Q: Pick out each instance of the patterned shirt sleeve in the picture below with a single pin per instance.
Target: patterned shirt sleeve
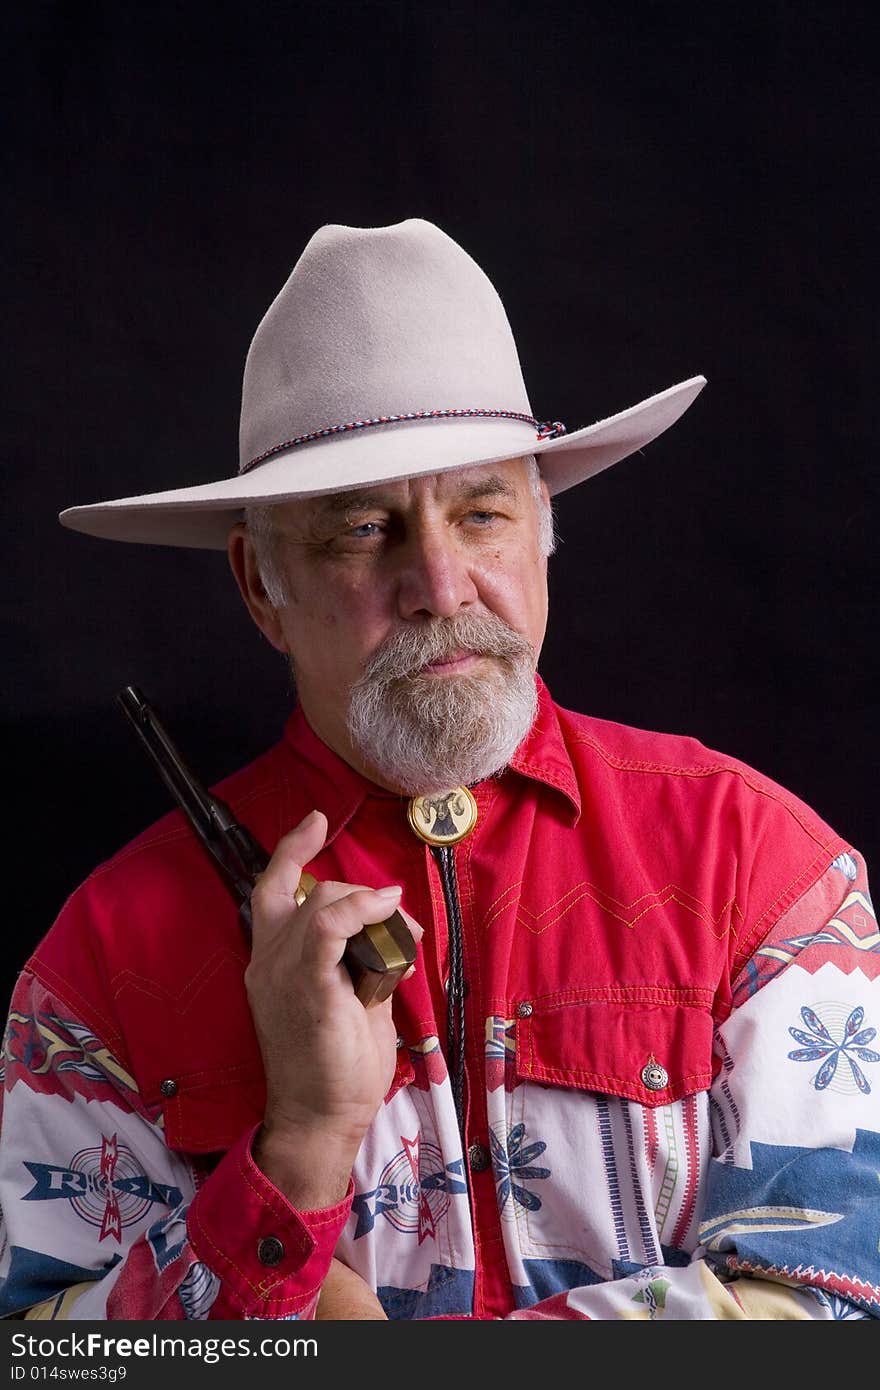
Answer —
(790, 1207)
(102, 1220)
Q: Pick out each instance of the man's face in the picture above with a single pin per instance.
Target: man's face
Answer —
(365, 571)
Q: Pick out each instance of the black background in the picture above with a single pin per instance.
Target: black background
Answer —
(656, 190)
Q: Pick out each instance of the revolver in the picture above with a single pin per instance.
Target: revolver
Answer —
(376, 958)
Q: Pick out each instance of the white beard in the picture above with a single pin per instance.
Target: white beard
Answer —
(423, 733)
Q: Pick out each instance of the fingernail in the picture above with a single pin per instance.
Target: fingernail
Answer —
(307, 820)
(391, 892)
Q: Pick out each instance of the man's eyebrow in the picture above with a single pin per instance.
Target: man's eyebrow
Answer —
(341, 503)
(493, 486)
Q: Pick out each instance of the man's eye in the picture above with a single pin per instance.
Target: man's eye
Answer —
(365, 531)
(483, 518)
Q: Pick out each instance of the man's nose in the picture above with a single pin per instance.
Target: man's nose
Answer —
(435, 579)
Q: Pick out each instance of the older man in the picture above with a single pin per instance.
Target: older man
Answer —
(630, 1074)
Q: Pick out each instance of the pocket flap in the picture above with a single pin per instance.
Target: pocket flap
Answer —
(651, 1052)
(209, 1110)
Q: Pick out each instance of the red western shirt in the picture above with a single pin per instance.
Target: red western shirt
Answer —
(614, 891)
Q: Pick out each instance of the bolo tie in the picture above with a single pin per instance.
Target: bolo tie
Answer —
(441, 820)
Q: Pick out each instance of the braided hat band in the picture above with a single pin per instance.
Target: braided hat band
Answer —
(549, 429)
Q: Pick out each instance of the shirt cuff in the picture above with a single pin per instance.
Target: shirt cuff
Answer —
(271, 1258)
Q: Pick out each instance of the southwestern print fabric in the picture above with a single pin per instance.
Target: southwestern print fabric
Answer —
(757, 1197)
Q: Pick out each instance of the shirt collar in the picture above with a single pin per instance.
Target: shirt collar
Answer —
(543, 756)
(322, 779)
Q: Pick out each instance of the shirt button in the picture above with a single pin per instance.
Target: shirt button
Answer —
(654, 1076)
(524, 1010)
(270, 1251)
(401, 1042)
(168, 1088)
(478, 1157)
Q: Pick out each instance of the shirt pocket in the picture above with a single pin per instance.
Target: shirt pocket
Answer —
(600, 1138)
(653, 1051)
(206, 1111)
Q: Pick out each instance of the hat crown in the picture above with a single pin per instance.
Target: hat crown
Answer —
(372, 322)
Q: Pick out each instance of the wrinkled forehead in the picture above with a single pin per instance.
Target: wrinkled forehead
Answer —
(509, 480)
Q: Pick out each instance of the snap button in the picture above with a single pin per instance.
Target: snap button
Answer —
(478, 1157)
(654, 1076)
(401, 1042)
(270, 1251)
(524, 1010)
(168, 1088)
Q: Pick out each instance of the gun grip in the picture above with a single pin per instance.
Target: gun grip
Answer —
(377, 957)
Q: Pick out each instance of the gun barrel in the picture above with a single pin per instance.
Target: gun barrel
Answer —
(177, 776)
(231, 845)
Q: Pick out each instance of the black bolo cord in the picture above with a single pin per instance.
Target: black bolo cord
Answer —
(456, 986)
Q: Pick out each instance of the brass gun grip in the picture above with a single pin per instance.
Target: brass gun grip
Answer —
(377, 957)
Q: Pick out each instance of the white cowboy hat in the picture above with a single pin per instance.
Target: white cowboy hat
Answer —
(387, 354)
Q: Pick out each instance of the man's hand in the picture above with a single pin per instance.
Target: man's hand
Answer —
(328, 1060)
(345, 1295)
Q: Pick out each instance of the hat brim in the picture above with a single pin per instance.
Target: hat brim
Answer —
(201, 516)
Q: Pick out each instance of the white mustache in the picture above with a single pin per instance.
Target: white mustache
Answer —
(409, 650)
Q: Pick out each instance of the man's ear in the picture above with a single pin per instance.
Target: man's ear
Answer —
(243, 563)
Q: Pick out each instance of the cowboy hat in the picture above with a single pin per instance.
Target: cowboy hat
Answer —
(387, 354)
